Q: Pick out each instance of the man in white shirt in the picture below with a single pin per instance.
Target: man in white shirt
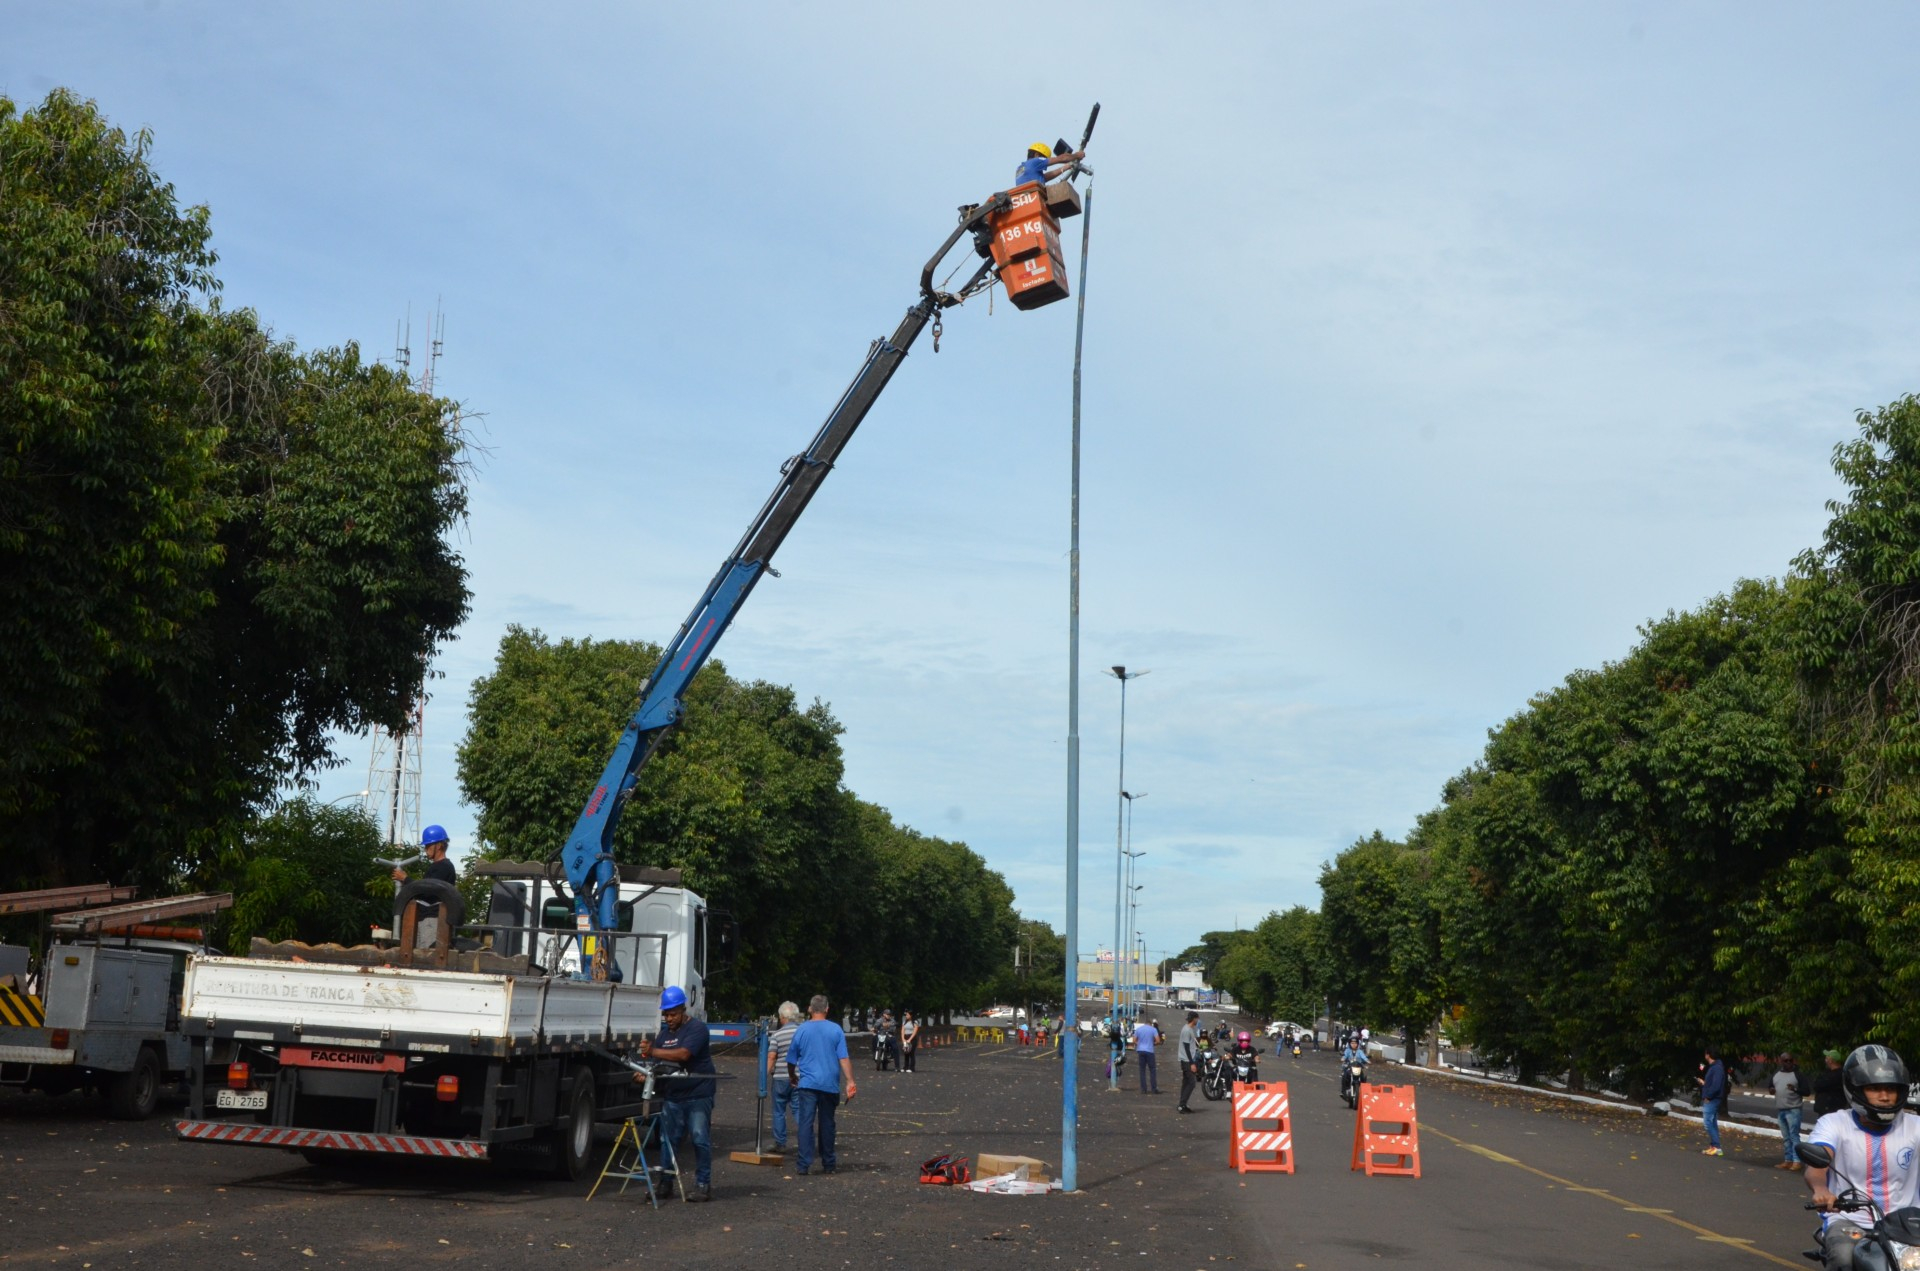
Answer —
(1875, 1149)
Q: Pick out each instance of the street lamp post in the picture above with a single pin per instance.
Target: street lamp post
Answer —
(1131, 796)
(1133, 976)
(1116, 1048)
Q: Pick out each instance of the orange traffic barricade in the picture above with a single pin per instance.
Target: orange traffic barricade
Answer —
(1262, 1128)
(1386, 1132)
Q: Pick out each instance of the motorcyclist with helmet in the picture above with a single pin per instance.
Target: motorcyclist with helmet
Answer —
(1354, 1052)
(1874, 1149)
(1245, 1052)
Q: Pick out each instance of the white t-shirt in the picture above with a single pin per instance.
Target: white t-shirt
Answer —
(1881, 1165)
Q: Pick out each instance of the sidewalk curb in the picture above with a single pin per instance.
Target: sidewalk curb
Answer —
(1617, 1105)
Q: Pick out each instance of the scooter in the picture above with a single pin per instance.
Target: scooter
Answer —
(1892, 1240)
(1353, 1075)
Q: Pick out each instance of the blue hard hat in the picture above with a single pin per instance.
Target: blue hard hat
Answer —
(431, 835)
(671, 996)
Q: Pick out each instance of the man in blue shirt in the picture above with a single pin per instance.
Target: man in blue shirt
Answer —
(817, 1064)
(1146, 1035)
(689, 1104)
(1040, 159)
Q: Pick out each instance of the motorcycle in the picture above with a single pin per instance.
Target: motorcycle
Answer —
(1216, 1076)
(1221, 1070)
(1892, 1240)
(1353, 1075)
(883, 1051)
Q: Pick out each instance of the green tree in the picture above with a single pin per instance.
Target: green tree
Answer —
(1359, 895)
(744, 796)
(1854, 915)
(305, 872)
(215, 550)
(1206, 955)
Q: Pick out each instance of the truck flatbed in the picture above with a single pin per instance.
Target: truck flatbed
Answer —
(460, 1012)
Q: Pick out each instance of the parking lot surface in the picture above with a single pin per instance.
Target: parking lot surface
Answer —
(1509, 1180)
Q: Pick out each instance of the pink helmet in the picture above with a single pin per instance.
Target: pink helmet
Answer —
(1246, 1037)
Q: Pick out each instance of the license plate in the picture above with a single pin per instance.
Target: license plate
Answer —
(246, 1100)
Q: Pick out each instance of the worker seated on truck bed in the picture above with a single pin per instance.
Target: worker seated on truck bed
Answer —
(1040, 161)
(433, 841)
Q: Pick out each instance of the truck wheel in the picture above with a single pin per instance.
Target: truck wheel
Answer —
(131, 1096)
(573, 1137)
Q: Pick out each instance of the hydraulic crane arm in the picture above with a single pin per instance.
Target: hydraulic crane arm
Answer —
(588, 854)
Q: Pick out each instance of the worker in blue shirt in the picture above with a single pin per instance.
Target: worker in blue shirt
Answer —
(688, 1105)
(1040, 160)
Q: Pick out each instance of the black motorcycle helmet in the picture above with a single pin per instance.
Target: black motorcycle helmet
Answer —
(1873, 1066)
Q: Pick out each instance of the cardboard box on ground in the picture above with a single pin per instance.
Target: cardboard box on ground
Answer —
(988, 1165)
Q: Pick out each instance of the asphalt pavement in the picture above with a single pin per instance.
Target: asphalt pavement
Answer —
(1509, 1180)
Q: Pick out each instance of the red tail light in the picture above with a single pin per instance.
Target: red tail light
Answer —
(238, 1075)
(60, 1038)
(447, 1089)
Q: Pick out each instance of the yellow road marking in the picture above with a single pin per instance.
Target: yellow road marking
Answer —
(1735, 1242)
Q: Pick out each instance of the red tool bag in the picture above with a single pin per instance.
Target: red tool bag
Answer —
(946, 1170)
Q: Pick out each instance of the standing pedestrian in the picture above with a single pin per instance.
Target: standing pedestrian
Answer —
(1189, 1057)
(777, 1082)
(1786, 1106)
(909, 1040)
(1829, 1090)
(1713, 1093)
(688, 1105)
(817, 1064)
(1146, 1035)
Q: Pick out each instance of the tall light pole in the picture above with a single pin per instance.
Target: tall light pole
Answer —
(1133, 911)
(1070, 1044)
(1117, 1047)
(1130, 796)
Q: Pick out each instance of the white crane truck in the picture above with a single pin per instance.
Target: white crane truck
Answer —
(483, 1053)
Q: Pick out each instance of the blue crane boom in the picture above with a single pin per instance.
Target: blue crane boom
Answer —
(591, 871)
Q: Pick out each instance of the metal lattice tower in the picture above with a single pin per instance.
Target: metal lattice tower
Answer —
(393, 773)
(393, 778)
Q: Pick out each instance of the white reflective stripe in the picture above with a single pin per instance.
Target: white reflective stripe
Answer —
(34, 1055)
(1260, 1105)
(335, 1140)
(1266, 1141)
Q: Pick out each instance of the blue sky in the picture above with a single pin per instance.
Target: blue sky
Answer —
(1430, 350)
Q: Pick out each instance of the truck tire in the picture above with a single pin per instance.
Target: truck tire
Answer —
(573, 1134)
(131, 1096)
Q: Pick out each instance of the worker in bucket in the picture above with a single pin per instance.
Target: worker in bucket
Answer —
(433, 843)
(1040, 162)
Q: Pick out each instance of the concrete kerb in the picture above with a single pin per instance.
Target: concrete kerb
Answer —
(1617, 1105)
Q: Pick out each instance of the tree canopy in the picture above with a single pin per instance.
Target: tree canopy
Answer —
(1714, 841)
(215, 549)
(745, 797)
